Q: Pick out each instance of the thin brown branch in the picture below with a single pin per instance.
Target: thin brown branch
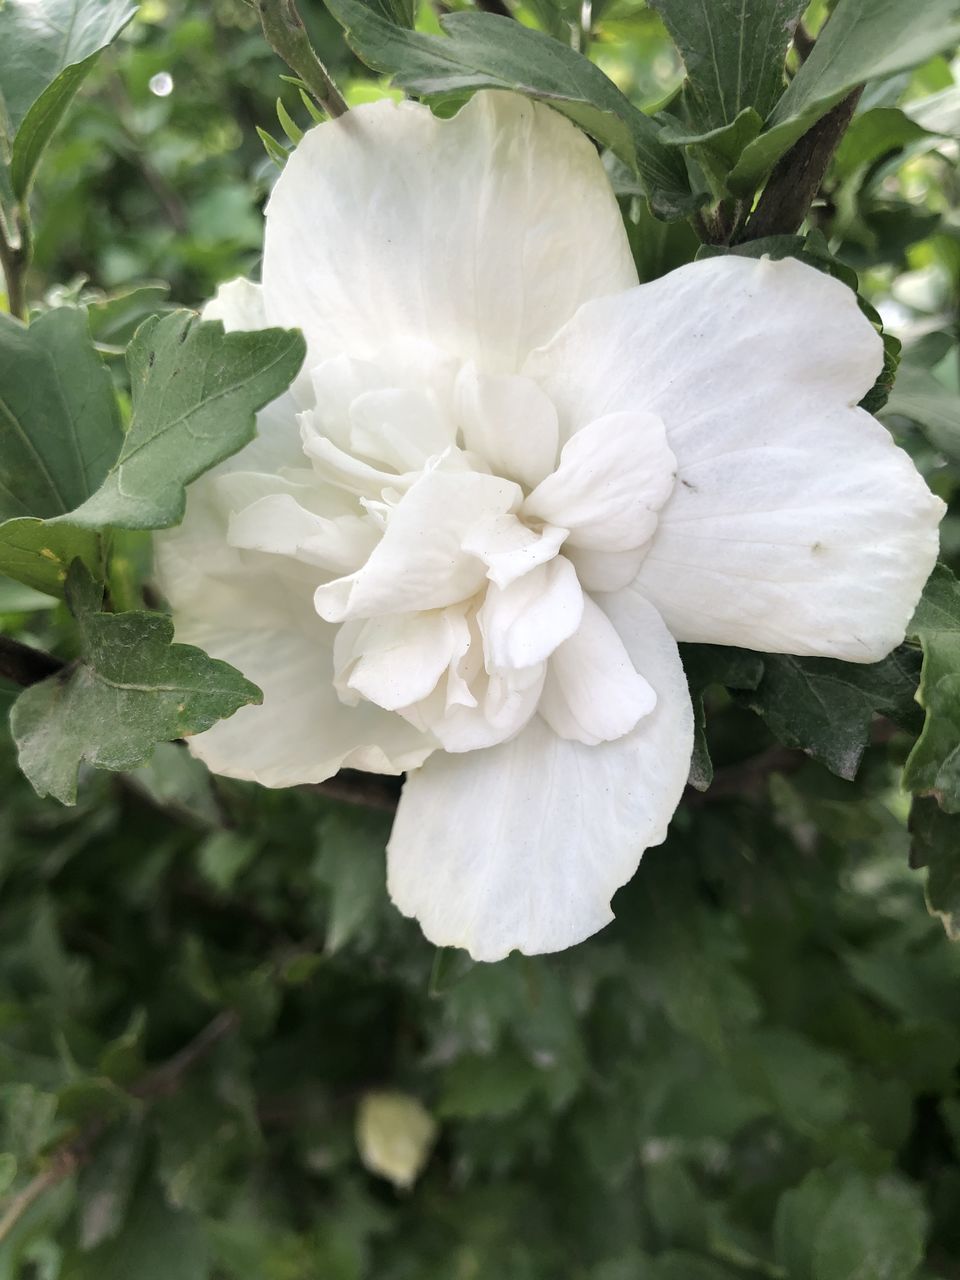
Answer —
(167, 1078)
(796, 178)
(369, 790)
(76, 1151)
(24, 665)
(287, 36)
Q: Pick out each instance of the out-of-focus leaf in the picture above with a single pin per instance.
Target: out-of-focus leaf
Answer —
(921, 398)
(864, 39)
(933, 767)
(350, 863)
(130, 689)
(107, 1184)
(496, 1085)
(826, 708)
(936, 846)
(876, 1232)
(486, 51)
(155, 1243)
(61, 434)
(46, 51)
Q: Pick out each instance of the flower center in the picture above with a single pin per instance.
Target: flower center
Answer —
(455, 525)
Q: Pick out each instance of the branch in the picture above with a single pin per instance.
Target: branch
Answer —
(796, 178)
(23, 665)
(371, 790)
(74, 1153)
(15, 251)
(287, 36)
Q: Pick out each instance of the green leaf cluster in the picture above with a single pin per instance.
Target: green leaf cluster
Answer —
(71, 479)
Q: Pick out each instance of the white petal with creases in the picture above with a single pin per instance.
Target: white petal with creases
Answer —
(593, 693)
(480, 234)
(522, 846)
(523, 623)
(614, 476)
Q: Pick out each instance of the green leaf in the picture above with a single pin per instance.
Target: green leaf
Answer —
(46, 50)
(708, 665)
(734, 52)
(939, 607)
(223, 856)
(921, 398)
(676, 1205)
(196, 391)
(936, 845)
(475, 1087)
(130, 689)
(152, 1236)
(870, 1232)
(60, 433)
(107, 1184)
(350, 863)
(933, 766)
(61, 428)
(486, 51)
(825, 707)
(864, 39)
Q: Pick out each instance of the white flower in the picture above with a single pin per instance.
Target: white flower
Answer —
(507, 482)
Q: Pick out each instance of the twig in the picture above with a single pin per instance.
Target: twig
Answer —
(70, 1155)
(371, 790)
(166, 1079)
(16, 246)
(796, 178)
(287, 36)
(24, 665)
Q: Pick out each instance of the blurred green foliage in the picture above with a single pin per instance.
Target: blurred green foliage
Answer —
(752, 1074)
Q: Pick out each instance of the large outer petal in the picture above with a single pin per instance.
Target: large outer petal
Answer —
(522, 846)
(256, 611)
(796, 525)
(482, 233)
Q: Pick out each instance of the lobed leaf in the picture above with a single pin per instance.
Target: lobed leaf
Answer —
(130, 689)
(196, 392)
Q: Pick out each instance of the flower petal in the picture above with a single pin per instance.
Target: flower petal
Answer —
(508, 422)
(399, 659)
(523, 623)
(510, 548)
(797, 525)
(614, 476)
(391, 222)
(593, 693)
(419, 563)
(522, 846)
(280, 525)
(256, 611)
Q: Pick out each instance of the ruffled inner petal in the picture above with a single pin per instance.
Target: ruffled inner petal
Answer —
(510, 548)
(419, 563)
(523, 623)
(614, 476)
(592, 692)
(508, 422)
